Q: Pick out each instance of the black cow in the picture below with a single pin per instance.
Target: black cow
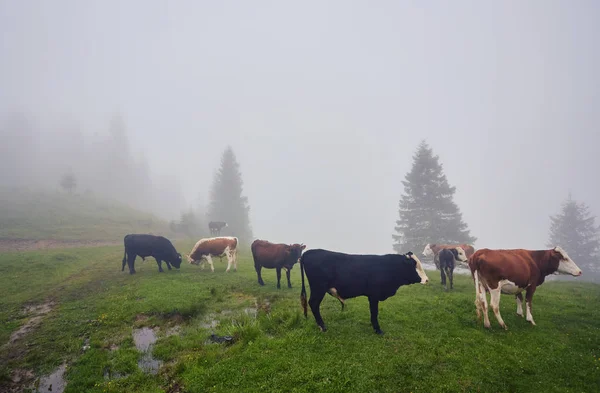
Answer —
(216, 226)
(448, 257)
(143, 245)
(345, 276)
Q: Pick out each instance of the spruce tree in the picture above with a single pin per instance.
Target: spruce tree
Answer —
(226, 200)
(427, 212)
(574, 229)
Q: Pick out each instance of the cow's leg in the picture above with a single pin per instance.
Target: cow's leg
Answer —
(287, 274)
(229, 262)
(234, 259)
(374, 306)
(436, 261)
(316, 297)
(480, 287)
(159, 263)
(443, 276)
(258, 268)
(168, 265)
(131, 263)
(495, 302)
(451, 277)
(210, 262)
(528, 298)
(278, 269)
(519, 298)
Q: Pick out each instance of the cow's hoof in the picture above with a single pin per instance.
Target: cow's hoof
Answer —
(289, 286)
(379, 331)
(487, 325)
(323, 329)
(262, 284)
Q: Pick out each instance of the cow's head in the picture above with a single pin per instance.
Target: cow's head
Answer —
(420, 275)
(176, 260)
(190, 260)
(295, 252)
(460, 254)
(565, 263)
(428, 251)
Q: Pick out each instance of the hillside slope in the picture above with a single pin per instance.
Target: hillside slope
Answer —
(47, 215)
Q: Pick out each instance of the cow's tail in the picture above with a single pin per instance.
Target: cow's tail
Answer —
(303, 291)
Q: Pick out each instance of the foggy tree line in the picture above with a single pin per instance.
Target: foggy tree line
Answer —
(428, 214)
(227, 203)
(104, 164)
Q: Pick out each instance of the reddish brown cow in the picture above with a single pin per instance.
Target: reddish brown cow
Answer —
(275, 256)
(511, 272)
(433, 250)
(214, 247)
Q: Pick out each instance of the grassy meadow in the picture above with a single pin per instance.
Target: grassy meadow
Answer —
(432, 341)
(35, 214)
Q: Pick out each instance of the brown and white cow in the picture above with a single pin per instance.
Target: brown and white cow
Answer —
(514, 271)
(275, 256)
(214, 247)
(433, 250)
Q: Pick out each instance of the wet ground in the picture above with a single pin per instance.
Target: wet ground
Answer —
(144, 340)
(55, 382)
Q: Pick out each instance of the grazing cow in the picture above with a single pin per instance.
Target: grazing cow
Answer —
(275, 256)
(345, 276)
(149, 246)
(214, 247)
(433, 250)
(511, 272)
(448, 258)
(216, 226)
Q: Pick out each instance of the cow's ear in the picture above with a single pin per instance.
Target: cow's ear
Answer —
(303, 246)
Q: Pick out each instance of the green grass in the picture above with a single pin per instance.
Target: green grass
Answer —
(433, 342)
(26, 214)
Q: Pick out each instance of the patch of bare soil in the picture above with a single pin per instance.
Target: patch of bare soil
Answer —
(37, 313)
(11, 245)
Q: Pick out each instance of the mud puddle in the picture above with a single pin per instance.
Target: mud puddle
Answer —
(144, 340)
(55, 382)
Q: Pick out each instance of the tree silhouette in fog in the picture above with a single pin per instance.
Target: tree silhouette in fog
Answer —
(226, 200)
(427, 212)
(575, 230)
(68, 182)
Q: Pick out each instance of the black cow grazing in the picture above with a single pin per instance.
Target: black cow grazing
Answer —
(345, 276)
(448, 257)
(149, 246)
(275, 256)
(216, 226)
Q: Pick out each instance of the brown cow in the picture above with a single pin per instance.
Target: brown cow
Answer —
(511, 272)
(433, 250)
(275, 256)
(214, 247)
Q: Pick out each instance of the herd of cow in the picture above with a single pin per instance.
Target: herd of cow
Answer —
(377, 277)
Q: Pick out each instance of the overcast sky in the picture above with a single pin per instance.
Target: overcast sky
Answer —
(325, 102)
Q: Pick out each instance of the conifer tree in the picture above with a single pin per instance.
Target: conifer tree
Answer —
(226, 200)
(574, 230)
(427, 212)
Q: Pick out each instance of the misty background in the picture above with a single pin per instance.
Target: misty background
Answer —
(324, 105)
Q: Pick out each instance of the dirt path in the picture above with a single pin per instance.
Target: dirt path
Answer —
(9, 245)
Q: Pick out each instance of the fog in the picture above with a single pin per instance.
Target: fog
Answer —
(324, 104)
